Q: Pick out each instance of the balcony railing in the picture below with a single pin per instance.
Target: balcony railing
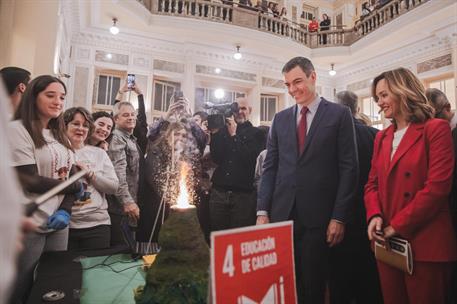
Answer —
(385, 14)
(251, 18)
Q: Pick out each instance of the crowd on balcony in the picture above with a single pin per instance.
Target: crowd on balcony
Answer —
(264, 7)
(369, 8)
(274, 18)
(375, 13)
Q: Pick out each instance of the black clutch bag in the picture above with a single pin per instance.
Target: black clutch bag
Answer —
(395, 252)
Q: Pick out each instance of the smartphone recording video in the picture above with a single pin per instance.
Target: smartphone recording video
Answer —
(178, 94)
(130, 81)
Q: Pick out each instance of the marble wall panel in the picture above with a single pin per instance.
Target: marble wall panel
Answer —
(273, 83)
(169, 66)
(359, 85)
(202, 69)
(108, 57)
(434, 63)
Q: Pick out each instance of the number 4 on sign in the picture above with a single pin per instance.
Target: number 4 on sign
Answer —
(228, 267)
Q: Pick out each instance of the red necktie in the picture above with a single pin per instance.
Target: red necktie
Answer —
(301, 130)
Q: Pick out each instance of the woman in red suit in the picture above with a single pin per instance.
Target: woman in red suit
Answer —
(408, 189)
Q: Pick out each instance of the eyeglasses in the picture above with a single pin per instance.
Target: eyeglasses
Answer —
(79, 126)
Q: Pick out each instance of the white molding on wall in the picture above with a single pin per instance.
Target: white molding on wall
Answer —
(143, 48)
(438, 44)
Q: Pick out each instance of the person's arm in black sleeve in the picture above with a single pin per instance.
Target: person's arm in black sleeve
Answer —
(141, 128)
(218, 145)
(34, 183)
(200, 136)
(69, 199)
(67, 202)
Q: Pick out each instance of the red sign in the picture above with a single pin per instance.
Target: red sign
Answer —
(253, 265)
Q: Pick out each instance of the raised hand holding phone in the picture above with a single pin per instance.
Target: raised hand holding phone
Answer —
(179, 105)
(130, 81)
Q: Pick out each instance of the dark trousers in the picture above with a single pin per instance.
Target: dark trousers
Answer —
(312, 256)
(116, 232)
(231, 209)
(97, 237)
(227, 14)
(34, 246)
(324, 39)
(453, 290)
(203, 213)
(353, 273)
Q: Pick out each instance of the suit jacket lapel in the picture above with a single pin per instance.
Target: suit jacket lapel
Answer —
(412, 135)
(318, 117)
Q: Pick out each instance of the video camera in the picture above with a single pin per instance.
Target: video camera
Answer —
(219, 112)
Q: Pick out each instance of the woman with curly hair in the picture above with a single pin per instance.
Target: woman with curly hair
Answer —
(170, 154)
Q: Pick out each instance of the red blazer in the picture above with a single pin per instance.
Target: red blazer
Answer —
(411, 191)
(313, 26)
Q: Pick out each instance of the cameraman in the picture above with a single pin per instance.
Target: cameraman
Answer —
(234, 148)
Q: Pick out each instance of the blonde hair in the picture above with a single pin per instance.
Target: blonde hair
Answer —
(166, 131)
(409, 92)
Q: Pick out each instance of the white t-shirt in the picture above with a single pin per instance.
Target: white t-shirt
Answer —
(10, 215)
(53, 160)
(94, 211)
(398, 136)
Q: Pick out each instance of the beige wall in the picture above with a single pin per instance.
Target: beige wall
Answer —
(28, 34)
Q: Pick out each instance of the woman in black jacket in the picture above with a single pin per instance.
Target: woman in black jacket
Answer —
(325, 26)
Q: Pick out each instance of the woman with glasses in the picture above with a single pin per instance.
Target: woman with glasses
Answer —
(90, 222)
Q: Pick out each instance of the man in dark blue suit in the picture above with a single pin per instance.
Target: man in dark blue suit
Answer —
(309, 176)
(354, 273)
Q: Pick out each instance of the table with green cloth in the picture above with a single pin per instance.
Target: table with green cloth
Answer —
(111, 279)
(89, 277)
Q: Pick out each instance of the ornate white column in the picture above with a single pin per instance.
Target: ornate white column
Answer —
(188, 83)
(254, 100)
(454, 64)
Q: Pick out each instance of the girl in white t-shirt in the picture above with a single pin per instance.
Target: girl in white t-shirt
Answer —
(43, 157)
(90, 221)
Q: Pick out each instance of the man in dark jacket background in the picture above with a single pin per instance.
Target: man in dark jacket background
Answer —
(234, 149)
(356, 277)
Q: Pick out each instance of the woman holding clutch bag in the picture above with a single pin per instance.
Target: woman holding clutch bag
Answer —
(408, 188)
